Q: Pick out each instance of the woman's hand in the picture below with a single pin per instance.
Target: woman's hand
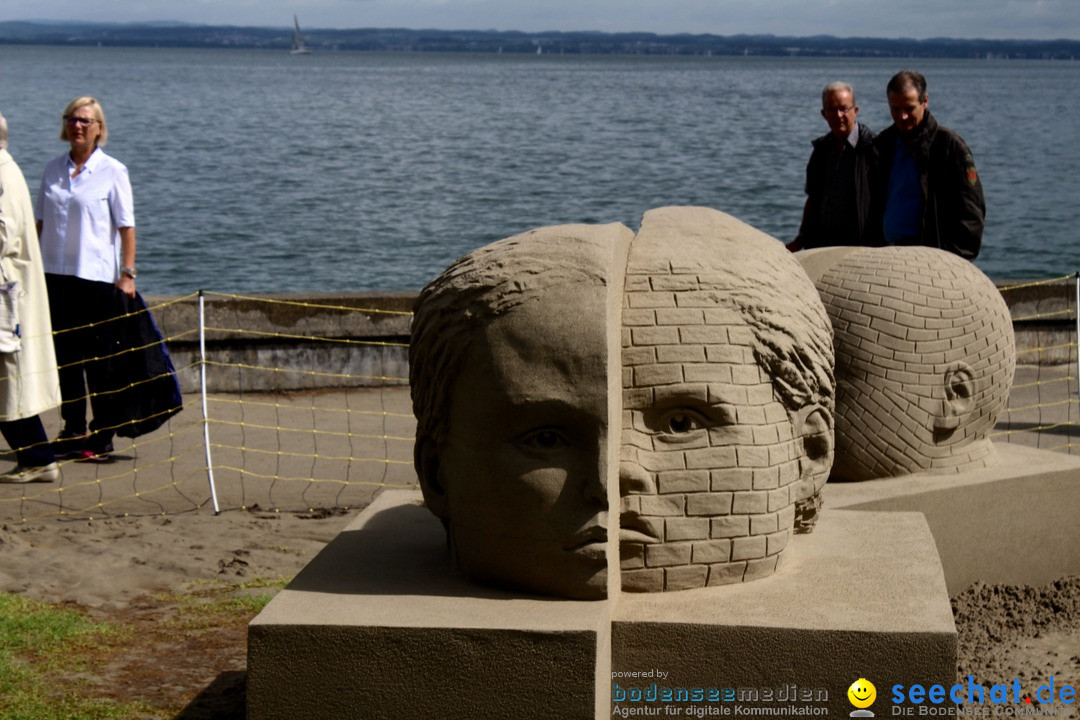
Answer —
(126, 285)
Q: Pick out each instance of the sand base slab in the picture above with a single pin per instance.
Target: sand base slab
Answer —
(1015, 523)
(380, 626)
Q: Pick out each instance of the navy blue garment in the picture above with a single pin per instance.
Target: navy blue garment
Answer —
(904, 201)
(141, 390)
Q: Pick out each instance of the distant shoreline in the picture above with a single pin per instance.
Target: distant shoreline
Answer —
(178, 35)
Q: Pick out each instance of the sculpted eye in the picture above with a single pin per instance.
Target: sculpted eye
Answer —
(543, 440)
(680, 422)
(686, 421)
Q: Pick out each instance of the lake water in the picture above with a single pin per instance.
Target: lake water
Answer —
(258, 171)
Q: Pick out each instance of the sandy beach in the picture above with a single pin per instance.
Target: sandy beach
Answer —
(133, 541)
(130, 558)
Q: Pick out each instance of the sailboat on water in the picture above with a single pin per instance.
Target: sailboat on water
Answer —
(298, 45)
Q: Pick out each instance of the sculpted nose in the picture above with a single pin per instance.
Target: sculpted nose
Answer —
(595, 489)
(634, 479)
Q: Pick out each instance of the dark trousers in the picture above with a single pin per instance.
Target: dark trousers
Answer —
(28, 439)
(80, 311)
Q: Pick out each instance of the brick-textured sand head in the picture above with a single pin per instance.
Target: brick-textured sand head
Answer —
(906, 319)
(716, 318)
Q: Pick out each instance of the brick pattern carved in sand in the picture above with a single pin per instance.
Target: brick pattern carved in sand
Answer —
(714, 491)
(924, 361)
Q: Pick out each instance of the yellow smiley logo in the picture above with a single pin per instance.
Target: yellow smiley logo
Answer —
(862, 693)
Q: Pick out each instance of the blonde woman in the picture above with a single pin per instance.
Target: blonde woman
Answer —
(86, 222)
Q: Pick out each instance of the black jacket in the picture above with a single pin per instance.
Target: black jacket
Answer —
(811, 232)
(954, 210)
(141, 390)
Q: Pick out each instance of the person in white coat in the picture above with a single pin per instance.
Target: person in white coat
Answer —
(29, 383)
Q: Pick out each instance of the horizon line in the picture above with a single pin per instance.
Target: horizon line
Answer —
(310, 29)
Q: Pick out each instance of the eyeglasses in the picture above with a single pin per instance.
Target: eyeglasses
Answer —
(80, 121)
(838, 110)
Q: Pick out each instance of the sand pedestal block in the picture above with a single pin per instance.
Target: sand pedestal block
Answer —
(379, 626)
(1014, 523)
(863, 596)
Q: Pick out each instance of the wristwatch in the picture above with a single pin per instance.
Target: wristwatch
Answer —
(129, 271)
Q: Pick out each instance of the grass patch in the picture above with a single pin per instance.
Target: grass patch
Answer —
(208, 603)
(41, 646)
(58, 664)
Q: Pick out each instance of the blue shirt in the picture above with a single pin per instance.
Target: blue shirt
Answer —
(904, 204)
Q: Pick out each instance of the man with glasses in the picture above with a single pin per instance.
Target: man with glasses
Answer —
(838, 177)
(930, 189)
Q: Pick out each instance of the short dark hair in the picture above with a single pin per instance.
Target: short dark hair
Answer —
(907, 80)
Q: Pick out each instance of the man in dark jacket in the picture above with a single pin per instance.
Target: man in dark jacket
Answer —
(838, 178)
(930, 191)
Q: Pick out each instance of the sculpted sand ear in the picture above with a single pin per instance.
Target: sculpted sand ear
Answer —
(961, 389)
(925, 360)
(426, 462)
(814, 428)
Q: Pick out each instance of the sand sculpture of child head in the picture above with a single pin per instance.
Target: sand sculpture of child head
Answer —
(924, 360)
(728, 396)
(508, 369)
(727, 404)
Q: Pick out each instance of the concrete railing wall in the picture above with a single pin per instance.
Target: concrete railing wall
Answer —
(299, 341)
(313, 343)
(1044, 321)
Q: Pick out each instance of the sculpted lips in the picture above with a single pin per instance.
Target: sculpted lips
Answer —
(591, 540)
(633, 528)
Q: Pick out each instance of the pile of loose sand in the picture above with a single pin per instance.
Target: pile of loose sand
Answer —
(1017, 631)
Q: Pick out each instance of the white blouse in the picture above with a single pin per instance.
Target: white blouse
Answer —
(80, 216)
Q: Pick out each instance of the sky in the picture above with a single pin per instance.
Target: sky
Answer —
(1020, 19)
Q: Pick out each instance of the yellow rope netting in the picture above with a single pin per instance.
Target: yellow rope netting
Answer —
(315, 433)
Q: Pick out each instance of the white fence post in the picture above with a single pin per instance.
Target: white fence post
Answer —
(1076, 344)
(205, 410)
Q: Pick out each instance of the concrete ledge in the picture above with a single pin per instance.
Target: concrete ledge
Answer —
(1044, 321)
(304, 331)
(350, 339)
(1014, 523)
